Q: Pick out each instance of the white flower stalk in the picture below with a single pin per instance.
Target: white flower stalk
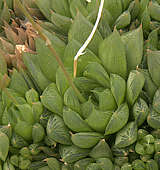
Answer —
(81, 50)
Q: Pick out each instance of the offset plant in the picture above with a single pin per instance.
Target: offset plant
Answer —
(44, 124)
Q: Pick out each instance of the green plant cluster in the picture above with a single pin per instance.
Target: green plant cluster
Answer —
(44, 125)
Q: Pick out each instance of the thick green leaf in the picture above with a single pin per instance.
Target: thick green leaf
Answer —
(7, 129)
(149, 85)
(105, 163)
(86, 139)
(62, 22)
(140, 148)
(18, 83)
(12, 115)
(138, 164)
(4, 146)
(92, 5)
(3, 65)
(127, 135)
(119, 152)
(67, 167)
(106, 99)
(25, 152)
(37, 110)
(106, 20)
(120, 161)
(61, 81)
(8, 166)
(96, 72)
(61, 7)
(145, 19)
(93, 166)
(143, 6)
(112, 54)
(101, 150)
(6, 117)
(98, 120)
(31, 63)
(25, 111)
(80, 31)
(78, 6)
(7, 100)
(38, 133)
(154, 9)
(140, 111)
(57, 130)
(45, 58)
(87, 108)
(85, 84)
(135, 84)
(118, 119)
(153, 40)
(44, 8)
(1, 111)
(71, 100)
(14, 160)
(153, 119)
(123, 20)
(74, 121)
(125, 3)
(134, 9)
(34, 148)
(27, 78)
(53, 163)
(114, 7)
(5, 13)
(24, 129)
(52, 100)
(126, 166)
(156, 101)
(24, 163)
(83, 163)
(151, 164)
(31, 96)
(116, 167)
(153, 61)
(17, 141)
(72, 153)
(134, 39)
(118, 88)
